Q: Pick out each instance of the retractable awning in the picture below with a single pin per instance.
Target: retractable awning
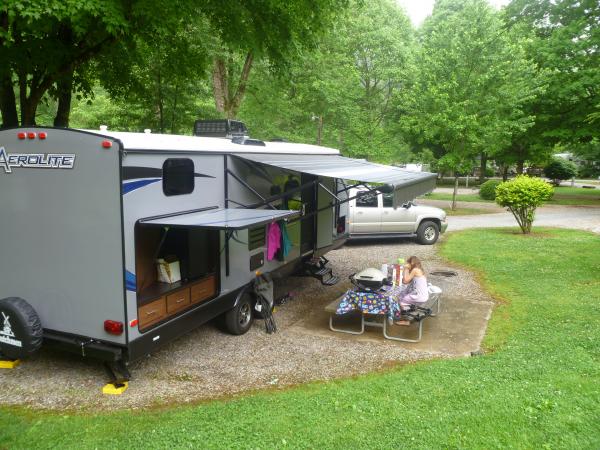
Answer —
(406, 184)
(222, 219)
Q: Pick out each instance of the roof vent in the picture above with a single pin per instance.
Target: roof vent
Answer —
(225, 128)
(241, 140)
(103, 127)
(147, 130)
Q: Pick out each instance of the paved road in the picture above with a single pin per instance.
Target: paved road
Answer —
(579, 217)
(562, 216)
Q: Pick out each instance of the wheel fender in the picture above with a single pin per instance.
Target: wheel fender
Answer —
(249, 288)
(422, 219)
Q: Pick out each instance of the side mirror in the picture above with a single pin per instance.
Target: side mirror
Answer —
(407, 205)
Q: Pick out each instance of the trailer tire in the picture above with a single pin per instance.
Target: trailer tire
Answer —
(21, 332)
(428, 233)
(238, 320)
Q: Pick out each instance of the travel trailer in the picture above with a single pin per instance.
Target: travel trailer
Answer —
(86, 215)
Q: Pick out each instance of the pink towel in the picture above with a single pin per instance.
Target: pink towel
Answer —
(273, 240)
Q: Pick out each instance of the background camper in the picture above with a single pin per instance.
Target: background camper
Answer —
(85, 215)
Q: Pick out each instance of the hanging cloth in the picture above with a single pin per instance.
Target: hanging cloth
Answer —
(273, 240)
(286, 243)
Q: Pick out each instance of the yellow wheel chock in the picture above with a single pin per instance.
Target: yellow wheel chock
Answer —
(9, 363)
(115, 388)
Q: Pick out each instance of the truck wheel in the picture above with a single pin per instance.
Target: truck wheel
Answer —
(21, 332)
(238, 320)
(428, 233)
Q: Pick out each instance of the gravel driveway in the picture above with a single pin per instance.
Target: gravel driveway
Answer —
(208, 363)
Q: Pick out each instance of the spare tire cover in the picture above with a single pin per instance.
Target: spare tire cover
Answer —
(21, 331)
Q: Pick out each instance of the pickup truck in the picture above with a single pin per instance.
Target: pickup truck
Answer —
(372, 215)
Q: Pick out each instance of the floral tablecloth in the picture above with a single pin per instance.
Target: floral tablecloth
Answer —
(380, 302)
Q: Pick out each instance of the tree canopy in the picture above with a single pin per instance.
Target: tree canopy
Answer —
(471, 84)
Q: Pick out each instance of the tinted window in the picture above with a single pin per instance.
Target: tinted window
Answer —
(367, 201)
(178, 176)
(388, 200)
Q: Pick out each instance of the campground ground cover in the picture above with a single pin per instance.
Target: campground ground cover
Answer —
(538, 385)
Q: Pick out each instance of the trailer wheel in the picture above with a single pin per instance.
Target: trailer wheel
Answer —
(21, 332)
(238, 320)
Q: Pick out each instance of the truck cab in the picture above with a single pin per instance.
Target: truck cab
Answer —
(371, 214)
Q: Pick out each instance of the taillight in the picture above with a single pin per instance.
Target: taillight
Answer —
(31, 135)
(113, 327)
(106, 144)
(21, 135)
(133, 323)
(42, 135)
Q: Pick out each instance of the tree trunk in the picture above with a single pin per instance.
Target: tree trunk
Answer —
(483, 167)
(319, 130)
(236, 101)
(227, 101)
(161, 112)
(8, 102)
(63, 112)
(174, 112)
(520, 164)
(220, 86)
(505, 172)
(455, 191)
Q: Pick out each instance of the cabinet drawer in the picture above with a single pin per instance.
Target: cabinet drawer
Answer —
(152, 312)
(178, 300)
(203, 290)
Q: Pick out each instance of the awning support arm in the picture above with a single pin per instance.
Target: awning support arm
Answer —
(331, 205)
(250, 188)
(329, 192)
(274, 198)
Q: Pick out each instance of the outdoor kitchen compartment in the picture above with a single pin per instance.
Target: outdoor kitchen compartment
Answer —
(197, 252)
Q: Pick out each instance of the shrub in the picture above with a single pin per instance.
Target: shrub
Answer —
(487, 191)
(522, 196)
(560, 169)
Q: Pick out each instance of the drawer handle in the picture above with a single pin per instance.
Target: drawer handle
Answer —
(154, 311)
(181, 300)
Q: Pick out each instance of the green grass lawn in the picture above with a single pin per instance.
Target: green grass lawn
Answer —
(538, 386)
(562, 196)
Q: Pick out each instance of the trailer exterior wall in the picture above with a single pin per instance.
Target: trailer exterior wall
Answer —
(61, 234)
(143, 197)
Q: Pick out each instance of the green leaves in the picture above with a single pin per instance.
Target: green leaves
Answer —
(522, 196)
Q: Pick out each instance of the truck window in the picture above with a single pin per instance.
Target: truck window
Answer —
(178, 176)
(388, 200)
(367, 201)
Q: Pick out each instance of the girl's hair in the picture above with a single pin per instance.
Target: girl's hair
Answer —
(414, 262)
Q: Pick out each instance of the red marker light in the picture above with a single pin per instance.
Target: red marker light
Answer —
(42, 135)
(31, 135)
(21, 135)
(106, 144)
(133, 323)
(113, 327)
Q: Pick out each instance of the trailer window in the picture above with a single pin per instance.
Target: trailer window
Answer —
(178, 176)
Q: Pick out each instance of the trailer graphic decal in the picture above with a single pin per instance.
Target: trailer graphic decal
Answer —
(133, 185)
(130, 281)
(8, 161)
(6, 333)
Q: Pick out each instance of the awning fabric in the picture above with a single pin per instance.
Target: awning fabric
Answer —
(223, 219)
(406, 184)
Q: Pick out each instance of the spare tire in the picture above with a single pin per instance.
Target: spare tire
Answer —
(21, 331)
